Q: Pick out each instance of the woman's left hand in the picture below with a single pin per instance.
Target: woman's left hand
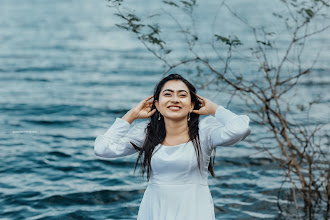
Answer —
(207, 108)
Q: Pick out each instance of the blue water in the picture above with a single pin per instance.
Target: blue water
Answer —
(66, 73)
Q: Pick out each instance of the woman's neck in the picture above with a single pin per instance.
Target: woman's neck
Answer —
(176, 128)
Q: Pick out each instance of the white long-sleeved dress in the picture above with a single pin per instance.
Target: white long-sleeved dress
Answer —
(177, 190)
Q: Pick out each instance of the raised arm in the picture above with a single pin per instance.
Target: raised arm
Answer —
(116, 142)
(224, 128)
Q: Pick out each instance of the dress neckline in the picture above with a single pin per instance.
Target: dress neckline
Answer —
(175, 145)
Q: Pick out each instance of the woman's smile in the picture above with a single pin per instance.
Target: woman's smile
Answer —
(174, 108)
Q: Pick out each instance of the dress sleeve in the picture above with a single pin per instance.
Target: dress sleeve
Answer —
(116, 141)
(225, 128)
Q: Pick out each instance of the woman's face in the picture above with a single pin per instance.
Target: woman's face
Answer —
(174, 100)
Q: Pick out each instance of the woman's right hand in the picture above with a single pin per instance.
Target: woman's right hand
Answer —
(141, 110)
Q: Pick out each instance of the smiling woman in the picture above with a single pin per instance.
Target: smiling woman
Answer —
(175, 148)
(174, 105)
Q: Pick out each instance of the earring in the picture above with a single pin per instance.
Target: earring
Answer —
(159, 116)
(189, 116)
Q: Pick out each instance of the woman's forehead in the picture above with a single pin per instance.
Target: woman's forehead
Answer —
(175, 85)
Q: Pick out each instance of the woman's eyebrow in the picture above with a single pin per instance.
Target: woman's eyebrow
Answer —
(170, 90)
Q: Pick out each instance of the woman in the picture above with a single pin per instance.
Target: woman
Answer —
(174, 148)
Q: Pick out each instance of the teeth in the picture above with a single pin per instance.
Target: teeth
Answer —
(174, 107)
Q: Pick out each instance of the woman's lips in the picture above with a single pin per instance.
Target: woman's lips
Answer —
(174, 108)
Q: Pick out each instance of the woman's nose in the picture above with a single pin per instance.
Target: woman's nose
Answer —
(174, 98)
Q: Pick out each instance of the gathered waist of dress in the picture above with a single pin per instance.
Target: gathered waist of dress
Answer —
(176, 183)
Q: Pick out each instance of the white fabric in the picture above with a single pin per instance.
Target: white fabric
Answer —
(177, 189)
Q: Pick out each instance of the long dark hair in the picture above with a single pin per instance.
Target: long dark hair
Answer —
(155, 130)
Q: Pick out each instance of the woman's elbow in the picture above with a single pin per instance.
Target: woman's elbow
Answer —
(246, 132)
(99, 146)
(240, 126)
(97, 151)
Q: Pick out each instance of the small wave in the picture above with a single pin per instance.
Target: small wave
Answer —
(117, 163)
(89, 198)
(20, 197)
(30, 79)
(64, 110)
(59, 154)
(50, 122)
(321, 82)
(114, 84)
(259, 215)
(42, 69)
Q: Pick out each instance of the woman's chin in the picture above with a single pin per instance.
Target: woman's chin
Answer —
(175, 117)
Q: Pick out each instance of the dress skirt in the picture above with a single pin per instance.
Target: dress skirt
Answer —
(176, 202)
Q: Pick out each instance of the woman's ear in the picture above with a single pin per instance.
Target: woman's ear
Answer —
(156, 104)
(192, 106)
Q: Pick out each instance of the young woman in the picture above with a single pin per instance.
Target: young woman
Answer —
(175, 148)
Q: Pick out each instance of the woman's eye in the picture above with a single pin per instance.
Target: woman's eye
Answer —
(183, 95)
(167, 94)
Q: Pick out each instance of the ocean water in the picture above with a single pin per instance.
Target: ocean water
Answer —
(66, 73)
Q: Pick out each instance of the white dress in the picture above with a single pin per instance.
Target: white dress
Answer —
(177, 190)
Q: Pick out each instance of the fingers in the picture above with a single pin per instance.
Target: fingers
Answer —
(200, 112)
(150, 102)
(146, 102)
(149, 97)
(196, 112)
(201, 97)
(151, 113)
(148, 106)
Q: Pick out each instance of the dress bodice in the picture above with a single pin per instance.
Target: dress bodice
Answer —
(177, 165)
